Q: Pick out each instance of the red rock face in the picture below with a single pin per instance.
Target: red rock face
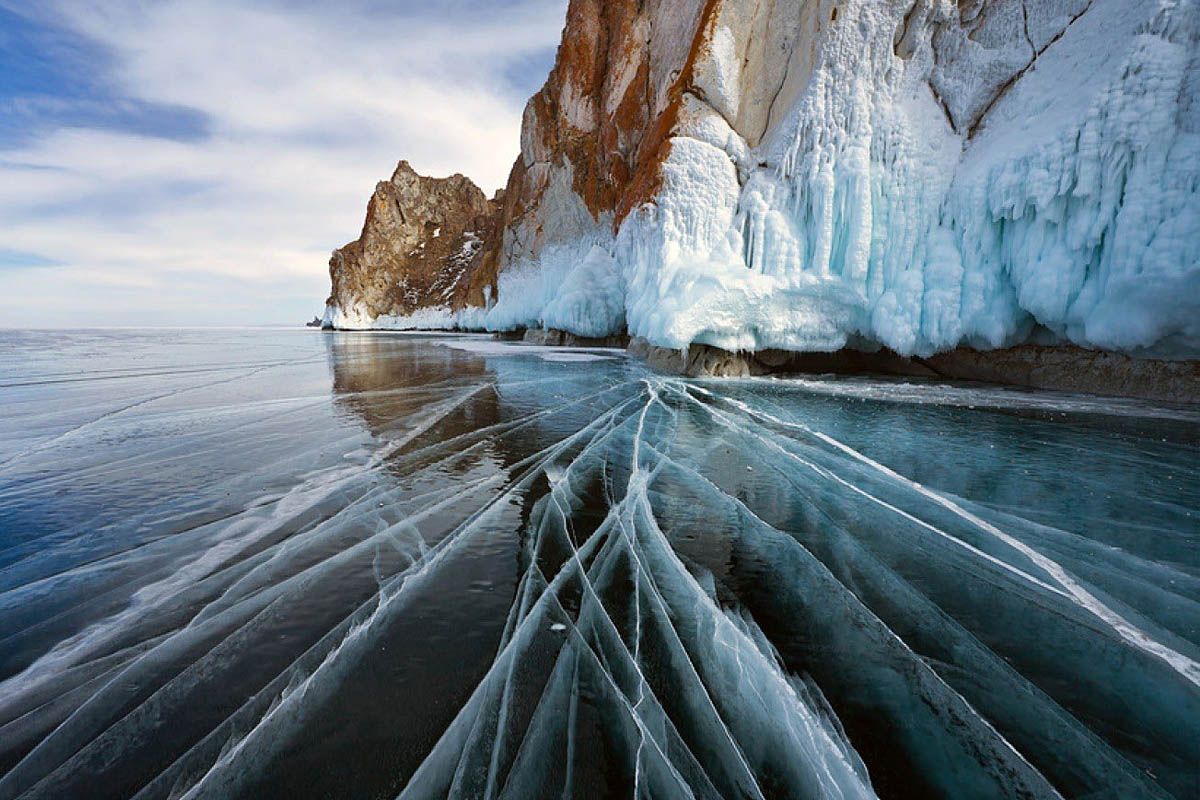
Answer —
(595, 137)
(599, 126)
(629, 74)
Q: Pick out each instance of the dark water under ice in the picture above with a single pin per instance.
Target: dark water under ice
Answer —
(286, 564)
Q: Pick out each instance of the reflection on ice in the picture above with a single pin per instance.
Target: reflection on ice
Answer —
(481, 573)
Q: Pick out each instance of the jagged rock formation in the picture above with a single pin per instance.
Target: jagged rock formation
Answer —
(423, 241)
(919, 175)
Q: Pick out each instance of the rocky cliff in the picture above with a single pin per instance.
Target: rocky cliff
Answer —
(423, 242)
(917, 175)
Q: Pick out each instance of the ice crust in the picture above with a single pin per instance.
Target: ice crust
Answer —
(575, 287)
(897, 201)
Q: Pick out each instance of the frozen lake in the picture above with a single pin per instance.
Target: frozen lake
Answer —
(291, 564)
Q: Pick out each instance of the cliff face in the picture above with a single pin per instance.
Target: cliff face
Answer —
(594, 131)
(915, 174)
(423, 240)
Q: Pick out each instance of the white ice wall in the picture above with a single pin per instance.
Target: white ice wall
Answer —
(1074, 205)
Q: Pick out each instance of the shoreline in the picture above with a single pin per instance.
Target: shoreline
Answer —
(1061, 368)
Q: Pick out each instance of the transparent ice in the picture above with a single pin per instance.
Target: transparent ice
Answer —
(373, 565)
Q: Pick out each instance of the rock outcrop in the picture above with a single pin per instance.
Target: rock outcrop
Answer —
(423, 241)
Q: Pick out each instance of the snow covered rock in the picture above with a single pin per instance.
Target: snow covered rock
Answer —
(921, 175)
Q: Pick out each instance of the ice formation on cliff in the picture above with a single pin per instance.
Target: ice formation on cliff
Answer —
(906, 199)
(574, 288)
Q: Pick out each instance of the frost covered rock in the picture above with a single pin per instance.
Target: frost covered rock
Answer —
(933, 184)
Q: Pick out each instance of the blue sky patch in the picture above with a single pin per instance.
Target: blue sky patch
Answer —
(52, 78)
(14, 259)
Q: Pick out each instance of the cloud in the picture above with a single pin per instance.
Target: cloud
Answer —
(290, 113)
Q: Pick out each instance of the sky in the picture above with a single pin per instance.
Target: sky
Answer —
(194, 162)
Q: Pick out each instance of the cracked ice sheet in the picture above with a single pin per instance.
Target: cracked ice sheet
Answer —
(374, 565)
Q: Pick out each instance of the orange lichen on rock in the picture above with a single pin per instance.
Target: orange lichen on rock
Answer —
(655, 144)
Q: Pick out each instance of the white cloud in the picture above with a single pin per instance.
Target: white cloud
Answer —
(308, 108)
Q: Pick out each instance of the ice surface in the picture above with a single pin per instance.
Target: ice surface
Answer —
(495, 347)
(396, 565)
(575, 287)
